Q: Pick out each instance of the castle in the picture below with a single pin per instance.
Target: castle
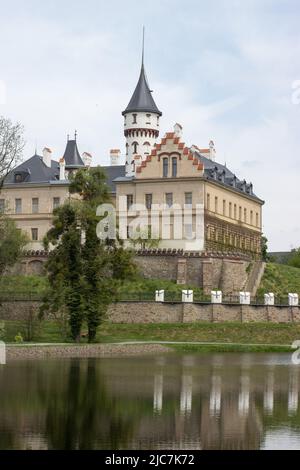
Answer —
(155, 171)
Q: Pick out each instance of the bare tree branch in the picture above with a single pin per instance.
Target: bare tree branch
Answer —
(11, 146)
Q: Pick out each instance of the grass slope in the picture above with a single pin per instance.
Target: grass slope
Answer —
(268, 335)
(280, 279)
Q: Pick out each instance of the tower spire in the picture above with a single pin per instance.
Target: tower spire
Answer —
(143, 47)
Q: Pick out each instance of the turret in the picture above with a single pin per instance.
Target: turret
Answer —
(141, 121)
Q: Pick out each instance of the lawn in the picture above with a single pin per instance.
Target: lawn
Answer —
(239, 333)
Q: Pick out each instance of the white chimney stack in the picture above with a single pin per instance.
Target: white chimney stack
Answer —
(87, 159)
(62, 168)
(178, 130)
(47, 154)
(212, 151)
(115, 155)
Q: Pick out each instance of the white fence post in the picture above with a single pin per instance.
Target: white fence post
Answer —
(187, 296)
(245, 298)
(216, 296)
(159, 296)
(269, 299)
(293, 300)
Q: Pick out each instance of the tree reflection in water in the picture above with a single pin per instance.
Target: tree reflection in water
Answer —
(208, 401)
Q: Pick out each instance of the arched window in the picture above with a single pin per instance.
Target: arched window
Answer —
(174, 167)
(165, 167)
(135, 147)
(146, 146)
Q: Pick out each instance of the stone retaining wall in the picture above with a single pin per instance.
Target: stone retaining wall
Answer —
(168, 312)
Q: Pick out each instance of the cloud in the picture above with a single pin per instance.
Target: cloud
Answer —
(224, 70)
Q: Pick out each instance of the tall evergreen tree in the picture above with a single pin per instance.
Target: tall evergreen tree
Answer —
(83, 269)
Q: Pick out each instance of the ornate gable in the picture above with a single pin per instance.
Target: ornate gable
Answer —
(170, 147)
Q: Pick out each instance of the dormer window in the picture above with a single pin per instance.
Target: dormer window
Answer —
(19, 178)
(134, 121)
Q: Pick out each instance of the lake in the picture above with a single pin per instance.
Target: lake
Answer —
(166, 401)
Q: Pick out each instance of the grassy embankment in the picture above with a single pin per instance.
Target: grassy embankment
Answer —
(279, 279)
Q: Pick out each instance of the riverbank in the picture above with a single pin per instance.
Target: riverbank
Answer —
(137, 339)
(47, 351)
(63, 351)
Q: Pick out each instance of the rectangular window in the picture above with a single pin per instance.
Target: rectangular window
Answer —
(34, 234)
(129, 201)
(224, 207)
(134, 118)
(188, 199)
(216, 204)
(169, 199)
(2, 205)
(165, 167)
(188, 231)
(245, 216)
(18, 206)
(208, 202)
(56, 202)
(35, 205)
(174, 167)
(148, 118)
(148, 201)
(230, 210)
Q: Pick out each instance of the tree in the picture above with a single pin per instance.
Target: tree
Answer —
(264, 248)
(11, 146)
(294, 259)
(12, 242)
(82, 269)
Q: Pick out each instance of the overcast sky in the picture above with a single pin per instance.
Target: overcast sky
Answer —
(225, 70)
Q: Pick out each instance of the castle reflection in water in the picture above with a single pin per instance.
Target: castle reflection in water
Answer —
(172, 401)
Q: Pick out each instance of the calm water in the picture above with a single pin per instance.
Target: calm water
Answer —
(188, 401)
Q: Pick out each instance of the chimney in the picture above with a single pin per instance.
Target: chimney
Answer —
(62, 167)
(47, 154)
(178, 130)
(115, 155)
(212, 151)
(87, 159)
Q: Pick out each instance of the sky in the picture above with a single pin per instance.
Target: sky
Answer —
(225, 70)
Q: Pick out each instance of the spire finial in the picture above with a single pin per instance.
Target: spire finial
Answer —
(143, 50)
(75, 135)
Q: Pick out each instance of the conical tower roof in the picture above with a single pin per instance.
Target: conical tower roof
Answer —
(72, 156)
(142, 100)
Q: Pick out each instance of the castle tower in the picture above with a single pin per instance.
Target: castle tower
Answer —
(141, 122)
